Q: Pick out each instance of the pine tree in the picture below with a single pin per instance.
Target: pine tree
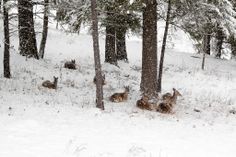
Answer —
(110, 43)
(27, 37)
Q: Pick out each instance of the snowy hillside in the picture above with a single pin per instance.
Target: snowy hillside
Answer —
(38, 122)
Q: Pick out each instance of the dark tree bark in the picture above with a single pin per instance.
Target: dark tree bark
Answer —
(121, 44)
(27, 37)
(121, 22)
(159, 86)
(206, 47)
(45, 29)
(149, 53)
(0, 6)
(98, 70)
(110, 45)
(203, 60)
(6, 60)
(207, 43)
(220, 41)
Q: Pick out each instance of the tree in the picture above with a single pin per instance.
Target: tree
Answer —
(159, 86)
(220, 40)
(27, 37)
(98, 70)
(120, 38)
(110, 43)
(45, 29)
(120, 17)
(6, 60)
(0, 6)
(149, 52)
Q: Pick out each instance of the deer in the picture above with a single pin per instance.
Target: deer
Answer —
(49, 84)
(144, 104)
(171, 99)
(103, 80)
(164, 107)
(70, 65)
(120, 97)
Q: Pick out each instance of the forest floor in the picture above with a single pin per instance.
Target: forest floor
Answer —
(38, 122)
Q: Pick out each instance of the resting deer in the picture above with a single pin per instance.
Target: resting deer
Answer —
(103, 80)
(168, 102)
(171, 99)
(120, 97)
(164, 108)
(70, 65)
(49, 84)
(144, 104)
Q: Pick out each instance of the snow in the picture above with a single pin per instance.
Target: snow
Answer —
(38, 122)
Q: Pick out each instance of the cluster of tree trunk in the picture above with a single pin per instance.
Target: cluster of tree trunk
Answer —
(115, 46)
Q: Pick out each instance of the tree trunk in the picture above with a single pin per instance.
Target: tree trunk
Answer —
(207, 43)
(159, 87)
(98, 70)
(45, 29)
(203, 60)
(220, 40)
(27, 37)
(6, 60)
(121, 43)
(0, 6)
(149, 53)
(110, 45)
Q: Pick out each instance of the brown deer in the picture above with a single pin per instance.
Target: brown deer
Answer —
(168, 102)
(120, 97)
(70, 65)
(49, 84)
(103, 80)
(166, 96)
(144, 104)
(171, 99)
(164, 108)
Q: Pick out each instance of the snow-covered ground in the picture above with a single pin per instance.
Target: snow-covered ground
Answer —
(37, 122)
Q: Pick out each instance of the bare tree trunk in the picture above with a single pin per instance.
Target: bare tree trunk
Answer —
(45, 29)
(110, 45)
(27, 37)
(149, 53)
(159, 86)
(98, 70)
(203, 60)
(6, 60)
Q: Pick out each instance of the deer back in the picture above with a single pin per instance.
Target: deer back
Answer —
(144, 105)
(70, 64)
(48, 84)
(164, 108)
